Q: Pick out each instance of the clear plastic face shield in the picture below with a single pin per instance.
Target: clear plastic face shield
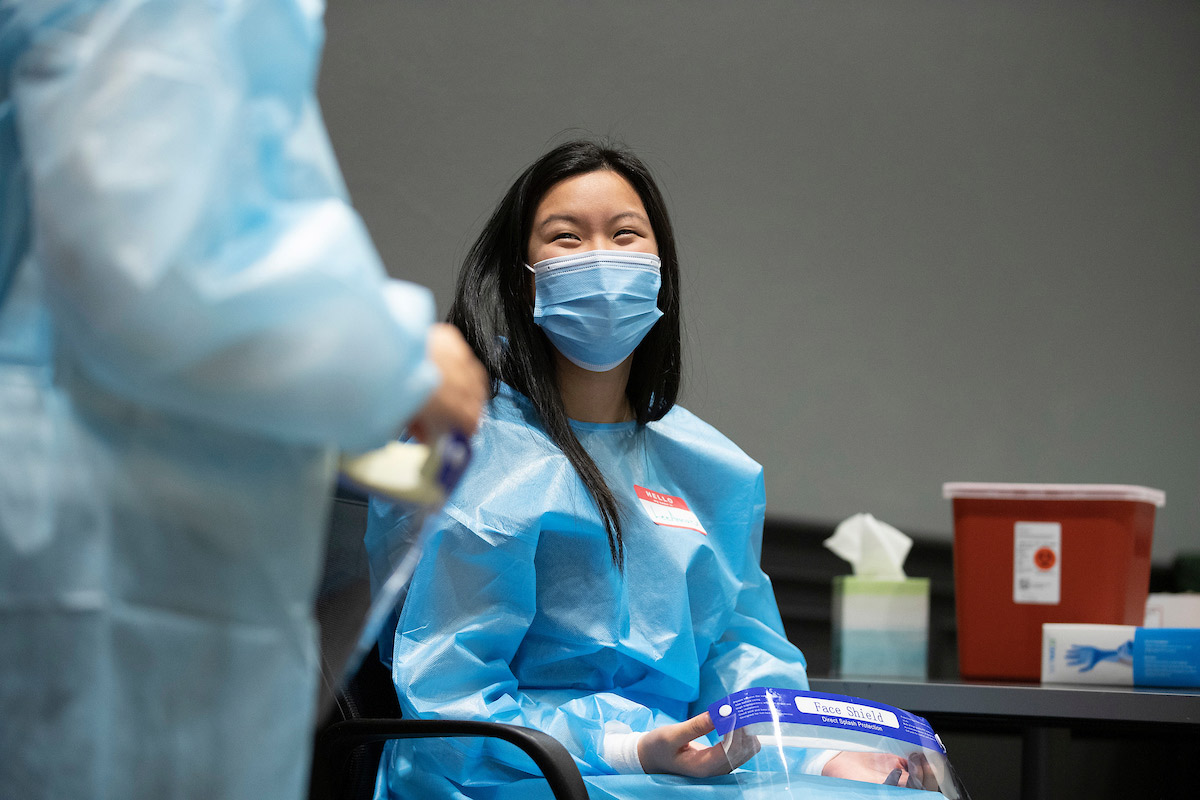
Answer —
(786, 744)
(360, 591)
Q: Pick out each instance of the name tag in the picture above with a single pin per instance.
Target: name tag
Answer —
(668, 510)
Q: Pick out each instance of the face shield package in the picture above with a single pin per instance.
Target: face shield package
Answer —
(791, 745)
(361, 585)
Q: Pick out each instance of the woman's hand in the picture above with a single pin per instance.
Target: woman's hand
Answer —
(915, 772)
(672, 749)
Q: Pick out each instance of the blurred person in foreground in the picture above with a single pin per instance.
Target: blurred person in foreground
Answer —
(193, 324)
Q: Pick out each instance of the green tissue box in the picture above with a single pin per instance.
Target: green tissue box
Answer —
(880, 627)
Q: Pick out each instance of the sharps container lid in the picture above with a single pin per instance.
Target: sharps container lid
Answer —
(1054, 491)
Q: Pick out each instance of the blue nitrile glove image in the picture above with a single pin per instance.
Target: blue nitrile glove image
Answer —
(1086, 657)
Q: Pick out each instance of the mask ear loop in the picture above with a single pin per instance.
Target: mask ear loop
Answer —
(533, 288)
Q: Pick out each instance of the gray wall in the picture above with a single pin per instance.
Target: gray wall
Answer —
(922, 241)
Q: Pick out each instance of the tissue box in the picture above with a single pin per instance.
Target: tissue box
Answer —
(1120, 655)
(1166, 610)
(880, 627)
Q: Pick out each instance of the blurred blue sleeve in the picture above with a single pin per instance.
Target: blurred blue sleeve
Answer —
(200, 251)
(753, 650)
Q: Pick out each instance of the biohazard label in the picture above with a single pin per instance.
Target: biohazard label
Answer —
(1037, 563)
(668, 510)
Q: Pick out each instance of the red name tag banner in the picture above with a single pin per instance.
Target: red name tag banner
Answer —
(668, 510)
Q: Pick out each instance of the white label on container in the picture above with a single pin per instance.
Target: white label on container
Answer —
(1037, 563)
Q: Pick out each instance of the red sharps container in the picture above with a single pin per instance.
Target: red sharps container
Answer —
(1028, 553)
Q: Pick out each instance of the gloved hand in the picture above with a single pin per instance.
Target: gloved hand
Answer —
(672, 749)
(1086, 657)
(458, 400)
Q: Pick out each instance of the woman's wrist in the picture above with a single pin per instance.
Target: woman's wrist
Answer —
(621, 753)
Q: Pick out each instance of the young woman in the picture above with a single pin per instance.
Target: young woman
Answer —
(596, 574)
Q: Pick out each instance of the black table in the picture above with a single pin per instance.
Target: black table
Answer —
(1041, 714)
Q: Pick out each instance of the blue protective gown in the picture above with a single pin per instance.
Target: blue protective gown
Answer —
(192, 322)
(517, 614)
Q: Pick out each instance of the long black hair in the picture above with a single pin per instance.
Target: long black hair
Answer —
(492, 309)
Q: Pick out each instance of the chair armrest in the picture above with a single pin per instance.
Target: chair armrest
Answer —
(556, 764)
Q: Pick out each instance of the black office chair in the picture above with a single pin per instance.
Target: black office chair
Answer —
(360, 714)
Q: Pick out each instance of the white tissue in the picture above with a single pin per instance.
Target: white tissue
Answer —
(873, 548)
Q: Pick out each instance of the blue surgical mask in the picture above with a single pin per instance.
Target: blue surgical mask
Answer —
(597, 306)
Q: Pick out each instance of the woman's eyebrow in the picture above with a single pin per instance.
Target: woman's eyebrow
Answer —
(558, 218)
(629, 215)
(571, 219)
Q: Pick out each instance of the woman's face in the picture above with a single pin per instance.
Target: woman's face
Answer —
(593, 211)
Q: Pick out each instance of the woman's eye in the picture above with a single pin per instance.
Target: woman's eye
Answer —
(626, 232)
(563, 235)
